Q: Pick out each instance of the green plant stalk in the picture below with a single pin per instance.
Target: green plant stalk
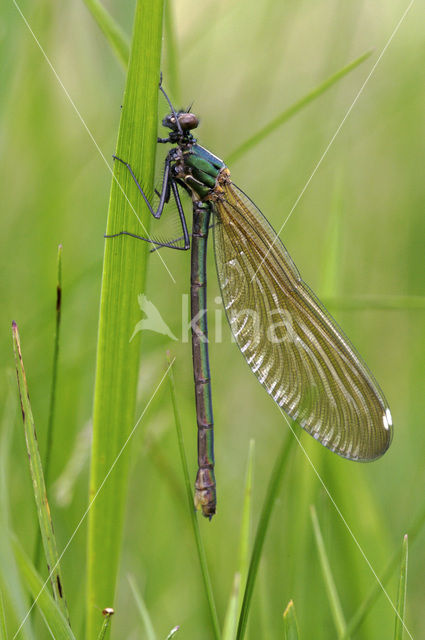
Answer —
(107, 615)
(49, 608)
(293, 109)
(123, 279)
(401, 595)
(37, 477)
(14, 591)
(245, 535)
(111, 30)
(143, 610)
(290, 624)
(331, 589)
(269, 500)
(3, 630)
(231, 617)
(193, 515)
(52, 402)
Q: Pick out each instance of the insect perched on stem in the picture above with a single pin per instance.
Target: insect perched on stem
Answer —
(290, 341)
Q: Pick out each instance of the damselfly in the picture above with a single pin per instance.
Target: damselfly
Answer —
(290, 341)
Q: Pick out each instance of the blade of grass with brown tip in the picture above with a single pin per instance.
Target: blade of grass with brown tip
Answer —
(39, 487)
(49, 608)
(52, 400)
(107, 615)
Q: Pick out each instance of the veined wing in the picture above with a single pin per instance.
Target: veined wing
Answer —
(290, 341)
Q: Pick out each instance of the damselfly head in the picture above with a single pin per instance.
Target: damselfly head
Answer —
(187, 121)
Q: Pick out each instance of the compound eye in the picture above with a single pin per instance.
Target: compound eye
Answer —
(188, 121)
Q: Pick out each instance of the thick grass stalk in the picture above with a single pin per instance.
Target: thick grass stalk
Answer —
(123, 280)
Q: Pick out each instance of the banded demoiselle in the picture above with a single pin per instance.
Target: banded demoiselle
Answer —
(290, 341)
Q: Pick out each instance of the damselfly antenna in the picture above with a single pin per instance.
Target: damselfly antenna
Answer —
(173, 111)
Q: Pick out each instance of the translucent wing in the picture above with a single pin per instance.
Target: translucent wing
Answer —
(292, 344)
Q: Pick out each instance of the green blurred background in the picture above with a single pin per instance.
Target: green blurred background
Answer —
(357, 232)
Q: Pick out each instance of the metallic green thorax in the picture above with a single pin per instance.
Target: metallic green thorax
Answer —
(199, 169)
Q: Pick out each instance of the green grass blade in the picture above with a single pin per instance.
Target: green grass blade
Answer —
(107, 615)
(171, 57)
(401, 595)
(52, 401)
(56, 337)
(269, 500)
(3, 629)
(293, 109)
(231, 617)
(245, 535)
(193, 515)
(369, 303)
(376, 590)
(36, 469)
(49, 609)
(11, 585)
(290, 624)
(143, 610)
(124, 269)
(334, 602)
(116, 37)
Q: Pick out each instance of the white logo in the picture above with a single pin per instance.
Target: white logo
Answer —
(153, 320)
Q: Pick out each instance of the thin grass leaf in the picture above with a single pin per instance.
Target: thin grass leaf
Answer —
(124, 269)
(401, 595)
(39, 487)
(10, 581)
(193, 515)
(245, 535)
(269, 500)
(116, 37)
(293, 109)
(231, 617)
(376, 590)
(381, 303)
(52, 401)
(290, 624)
(331, 590)
(143, 610)
(107, 615)
(171, 58)
(3, 629)
(52, 615)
